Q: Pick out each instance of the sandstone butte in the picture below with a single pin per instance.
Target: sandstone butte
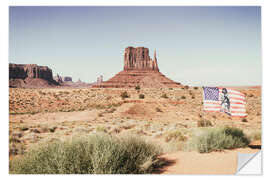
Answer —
(139, 70)
(30, 75)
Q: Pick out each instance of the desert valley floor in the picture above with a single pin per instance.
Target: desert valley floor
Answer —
(44, 115)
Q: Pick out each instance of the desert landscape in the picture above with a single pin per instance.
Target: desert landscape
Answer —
(139, 101)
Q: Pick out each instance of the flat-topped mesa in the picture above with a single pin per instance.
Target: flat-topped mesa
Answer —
(67, 79)
(30, 76)
(23, 71)
(139, 59)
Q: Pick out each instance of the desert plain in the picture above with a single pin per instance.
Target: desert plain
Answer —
(167, 117)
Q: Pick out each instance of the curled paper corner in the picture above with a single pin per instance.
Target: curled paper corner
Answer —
(249, 163)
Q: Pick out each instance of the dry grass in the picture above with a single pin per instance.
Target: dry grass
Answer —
(216, 139)
(204, 123)
(98, 154)
(175, 135)
(86, 111)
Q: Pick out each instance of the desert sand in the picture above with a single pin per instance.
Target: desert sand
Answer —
(38, 115)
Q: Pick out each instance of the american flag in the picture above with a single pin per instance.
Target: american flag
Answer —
(225, 100)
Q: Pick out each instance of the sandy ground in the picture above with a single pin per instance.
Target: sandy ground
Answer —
(46, 114)
(203, 163)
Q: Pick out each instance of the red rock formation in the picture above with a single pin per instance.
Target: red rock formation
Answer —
(139, 69)
(23, 71)
(139, 59)
(30, 75)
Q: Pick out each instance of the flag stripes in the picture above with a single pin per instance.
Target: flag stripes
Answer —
(218, 99)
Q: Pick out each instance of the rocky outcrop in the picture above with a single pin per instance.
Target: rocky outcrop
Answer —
(58, 79)
(139, 59)
(23, 71)
(30, 75)
(139, 69)
(67, 79)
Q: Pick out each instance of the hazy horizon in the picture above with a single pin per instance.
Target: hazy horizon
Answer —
(197, 46)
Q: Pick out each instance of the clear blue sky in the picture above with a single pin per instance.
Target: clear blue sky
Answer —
(195, 45)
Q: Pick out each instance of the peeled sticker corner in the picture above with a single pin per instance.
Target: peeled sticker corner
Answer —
(249, 163)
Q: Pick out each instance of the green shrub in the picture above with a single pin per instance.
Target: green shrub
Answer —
(14, 139)
(158, 109)
(16, 148)
(24, 128)
(96, 154)
(256, 135)
(111, 110)
(195, 88)
(100, 114)
(175, 135)
(98, 106)
(183, 97)
(204, 123)
(141, 96)
(186, 87)
(218, 139)
(101, 129)
(137, 87)
(164, 95)
(124, 95)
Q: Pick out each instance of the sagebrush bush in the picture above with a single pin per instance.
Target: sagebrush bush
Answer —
(164, 95)
(204, 123)
(141, 96)
(16, 148)
(124, 95)
(256, 135)
(137, 87)
(158, 109)
(175, 135)
(101, 128)
(186, 87)
(218, 139)
(96, 154)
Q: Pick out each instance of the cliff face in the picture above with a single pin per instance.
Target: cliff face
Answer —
(139, 59)
(30, 75)
(23, 71)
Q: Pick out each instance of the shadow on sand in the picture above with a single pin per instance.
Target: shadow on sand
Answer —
(163, 163)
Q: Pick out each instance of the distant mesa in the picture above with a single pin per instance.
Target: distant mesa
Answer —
(67, 79)
(67, 82)
(30, 75)
(139, 69)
